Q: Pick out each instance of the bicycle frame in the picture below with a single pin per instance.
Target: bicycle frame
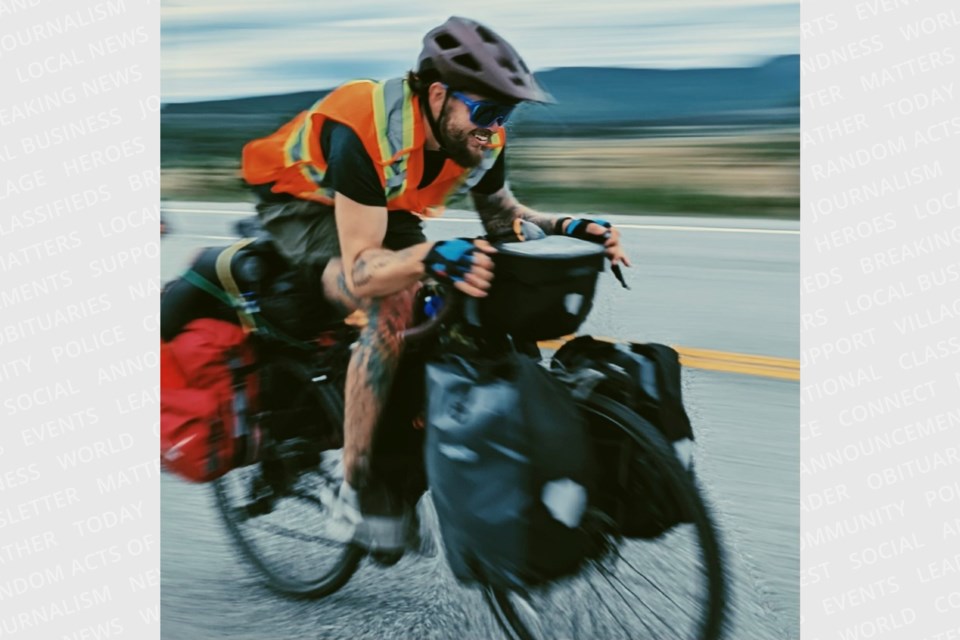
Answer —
(326, 360)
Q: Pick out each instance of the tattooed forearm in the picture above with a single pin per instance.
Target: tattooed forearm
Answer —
(361, 272)
(542, 220)
(382, 265)
(498, 211)
(344, 300)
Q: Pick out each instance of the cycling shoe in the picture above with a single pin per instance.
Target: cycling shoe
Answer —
(386, 535)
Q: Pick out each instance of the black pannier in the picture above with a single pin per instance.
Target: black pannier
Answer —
(544, 288)
(510, 468)
(646, 379)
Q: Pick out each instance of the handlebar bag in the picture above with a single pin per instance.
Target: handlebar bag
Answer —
(542, 289)
(510, 470)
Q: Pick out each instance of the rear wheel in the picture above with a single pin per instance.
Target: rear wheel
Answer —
(669, 587)
(276, 510)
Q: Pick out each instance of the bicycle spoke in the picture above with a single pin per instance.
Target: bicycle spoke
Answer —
(613, 614)
(655, 586)
(609, 574)
(642, 466)
(296, 535)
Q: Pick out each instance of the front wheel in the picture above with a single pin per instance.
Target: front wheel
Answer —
(669, 587)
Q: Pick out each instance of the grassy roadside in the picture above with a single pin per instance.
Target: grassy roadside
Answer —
(736, 175)
(624, 200)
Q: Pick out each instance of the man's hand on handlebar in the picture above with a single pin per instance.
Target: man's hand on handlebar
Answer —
(464, 263)
(599, 231)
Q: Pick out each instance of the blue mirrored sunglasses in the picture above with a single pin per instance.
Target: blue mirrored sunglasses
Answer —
(484, 113)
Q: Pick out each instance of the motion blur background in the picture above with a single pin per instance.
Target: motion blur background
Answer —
(664, 106)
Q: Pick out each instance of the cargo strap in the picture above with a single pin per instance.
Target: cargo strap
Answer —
(241, 306)
(247, 312)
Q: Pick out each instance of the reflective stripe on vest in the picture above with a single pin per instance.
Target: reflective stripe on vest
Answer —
(393, 116)
(391, 130)
(296, 151)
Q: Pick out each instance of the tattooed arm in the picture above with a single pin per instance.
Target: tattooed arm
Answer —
(370, 270)
(498, 210)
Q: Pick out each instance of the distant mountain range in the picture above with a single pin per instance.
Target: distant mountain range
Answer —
(600, 98)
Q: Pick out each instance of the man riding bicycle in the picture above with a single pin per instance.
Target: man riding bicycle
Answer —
(344, 188)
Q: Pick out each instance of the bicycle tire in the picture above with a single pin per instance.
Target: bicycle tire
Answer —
(321, 399)
(520, 625)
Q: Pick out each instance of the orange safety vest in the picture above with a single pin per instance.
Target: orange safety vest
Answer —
(386, 118)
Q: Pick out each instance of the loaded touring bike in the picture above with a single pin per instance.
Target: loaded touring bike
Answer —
(662, 578)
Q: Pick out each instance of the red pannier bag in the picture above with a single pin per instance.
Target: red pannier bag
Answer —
(198, 401)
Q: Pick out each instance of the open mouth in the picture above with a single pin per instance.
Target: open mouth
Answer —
(483, 137)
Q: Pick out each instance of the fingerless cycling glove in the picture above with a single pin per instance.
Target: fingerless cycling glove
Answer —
(450, 260)
(578, 229)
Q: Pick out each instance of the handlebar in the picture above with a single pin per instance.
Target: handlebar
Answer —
(424, 329)
(452, 298)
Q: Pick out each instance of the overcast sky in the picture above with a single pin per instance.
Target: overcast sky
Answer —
(230, 48)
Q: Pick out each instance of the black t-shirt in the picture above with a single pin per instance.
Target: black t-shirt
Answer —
(350, 170)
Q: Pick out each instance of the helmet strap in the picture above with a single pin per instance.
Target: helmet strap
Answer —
(434, 124)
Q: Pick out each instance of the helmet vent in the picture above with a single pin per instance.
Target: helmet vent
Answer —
(486, 35)
(467, 60)
(470, 56)
(446, 41)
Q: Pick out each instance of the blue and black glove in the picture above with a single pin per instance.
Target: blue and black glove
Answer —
(450, 260)
(578, 229)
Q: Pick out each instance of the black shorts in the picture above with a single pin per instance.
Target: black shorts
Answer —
(306, 231)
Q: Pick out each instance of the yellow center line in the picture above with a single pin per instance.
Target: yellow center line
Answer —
(744, 358)
(781, 373)
(695, 358)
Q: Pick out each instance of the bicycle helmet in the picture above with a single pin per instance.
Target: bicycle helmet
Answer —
(469, 56)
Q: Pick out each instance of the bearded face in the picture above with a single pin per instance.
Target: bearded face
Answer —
(462, 140)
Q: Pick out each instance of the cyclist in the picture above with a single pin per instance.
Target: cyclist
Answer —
(344, 187)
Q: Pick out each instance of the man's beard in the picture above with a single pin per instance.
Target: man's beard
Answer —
(458, 145)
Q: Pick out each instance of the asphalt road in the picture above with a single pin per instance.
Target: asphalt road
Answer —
(721, 284)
